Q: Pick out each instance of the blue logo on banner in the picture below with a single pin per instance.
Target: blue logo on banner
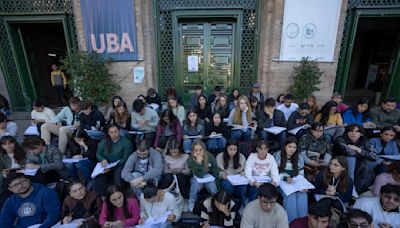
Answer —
(110, 28)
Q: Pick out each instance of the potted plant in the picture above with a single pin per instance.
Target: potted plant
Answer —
(306, 78)
(90, 76)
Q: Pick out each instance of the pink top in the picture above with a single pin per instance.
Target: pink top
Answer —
(133, 208)
(381, 180)
(342, 107)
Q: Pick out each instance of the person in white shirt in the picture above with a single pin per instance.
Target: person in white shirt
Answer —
(260, 164)
(358, 218)
(385, 209)
(288, 106)
(155, 203)
(40, 113)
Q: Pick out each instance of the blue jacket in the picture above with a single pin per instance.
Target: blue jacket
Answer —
(390, 148)
(40, 207)
(349, 118)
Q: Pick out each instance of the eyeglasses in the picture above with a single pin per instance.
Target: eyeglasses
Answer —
(358, 225)
(18, 184)
(268, 202)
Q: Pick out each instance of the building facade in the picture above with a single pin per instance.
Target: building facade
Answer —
(237, 43)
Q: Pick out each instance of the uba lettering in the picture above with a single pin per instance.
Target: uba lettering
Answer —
(114, 45)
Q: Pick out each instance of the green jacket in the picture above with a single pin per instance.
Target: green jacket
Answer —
(198, 170)
(120, 150)
(383, 119)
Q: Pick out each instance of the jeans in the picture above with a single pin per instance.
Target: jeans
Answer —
(84, 167)
(216, 144)
(96, 135)
(295, 204)
(238, 191)
(101, 182)
(240, 135)
(196, 187)
(267, 136)
(351, 163)
(252, 193)
(187, 145)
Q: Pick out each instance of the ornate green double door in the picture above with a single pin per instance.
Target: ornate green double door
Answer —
(205, 56)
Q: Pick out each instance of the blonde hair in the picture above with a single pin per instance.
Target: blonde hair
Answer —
(205, 160)
(237, 117)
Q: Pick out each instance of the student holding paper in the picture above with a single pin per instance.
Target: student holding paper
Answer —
(316, 150)
(82, 147)
(385, 145)
(80, 203)
(240, 119)
(144, 164)
(201, 164)
(218, 210)
(111, 149)
(334, 181)
(214, 128)
(231, 162)
(260, 164)
(193, 128)
(118, 210)
(357, 149)
(268, 117)
(145, 120)
(331, 119)
(290, 165)
(359, 114)
(299, 119)
(46, 158)
(155, 203)
(175, 163)
(168, 127)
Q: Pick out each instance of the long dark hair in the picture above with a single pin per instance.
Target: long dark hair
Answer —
(294, 159)
(173, 144)
(343, 178)
(111, 208)
(109, 142)
(192, 110)
(112, 101)
(354, 109)
(198, 103)
(19, 153)
(325, 111)
(236, 157)
(172, 118)
(217, 217)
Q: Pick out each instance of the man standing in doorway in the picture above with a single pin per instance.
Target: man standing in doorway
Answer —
(59, 83)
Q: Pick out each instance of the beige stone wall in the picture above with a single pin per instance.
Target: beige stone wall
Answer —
(275, 76)
(123, 71)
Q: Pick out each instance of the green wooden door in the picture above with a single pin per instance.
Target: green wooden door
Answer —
(212, 44)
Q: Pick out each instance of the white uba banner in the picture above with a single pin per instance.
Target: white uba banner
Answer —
(310, 29)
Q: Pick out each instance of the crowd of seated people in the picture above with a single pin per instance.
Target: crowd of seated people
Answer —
(229, 158)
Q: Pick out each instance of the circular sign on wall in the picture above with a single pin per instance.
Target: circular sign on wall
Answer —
(292, 30)
(309, 31)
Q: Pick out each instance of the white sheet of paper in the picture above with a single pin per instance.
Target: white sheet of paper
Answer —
(225, 120)
(193, 63)
(238, 180)
(135, 132)
(216, 136)
(73, 224)
(32, 130)
(297, 129)
(262, 179)
(299, 183)
(390, 157)
(35, 226)
(30, 172)
(275, 130)
(193, 136)
(160, 221)
(138, 75)
(100, 170)
(73, 160)
(205, 179)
